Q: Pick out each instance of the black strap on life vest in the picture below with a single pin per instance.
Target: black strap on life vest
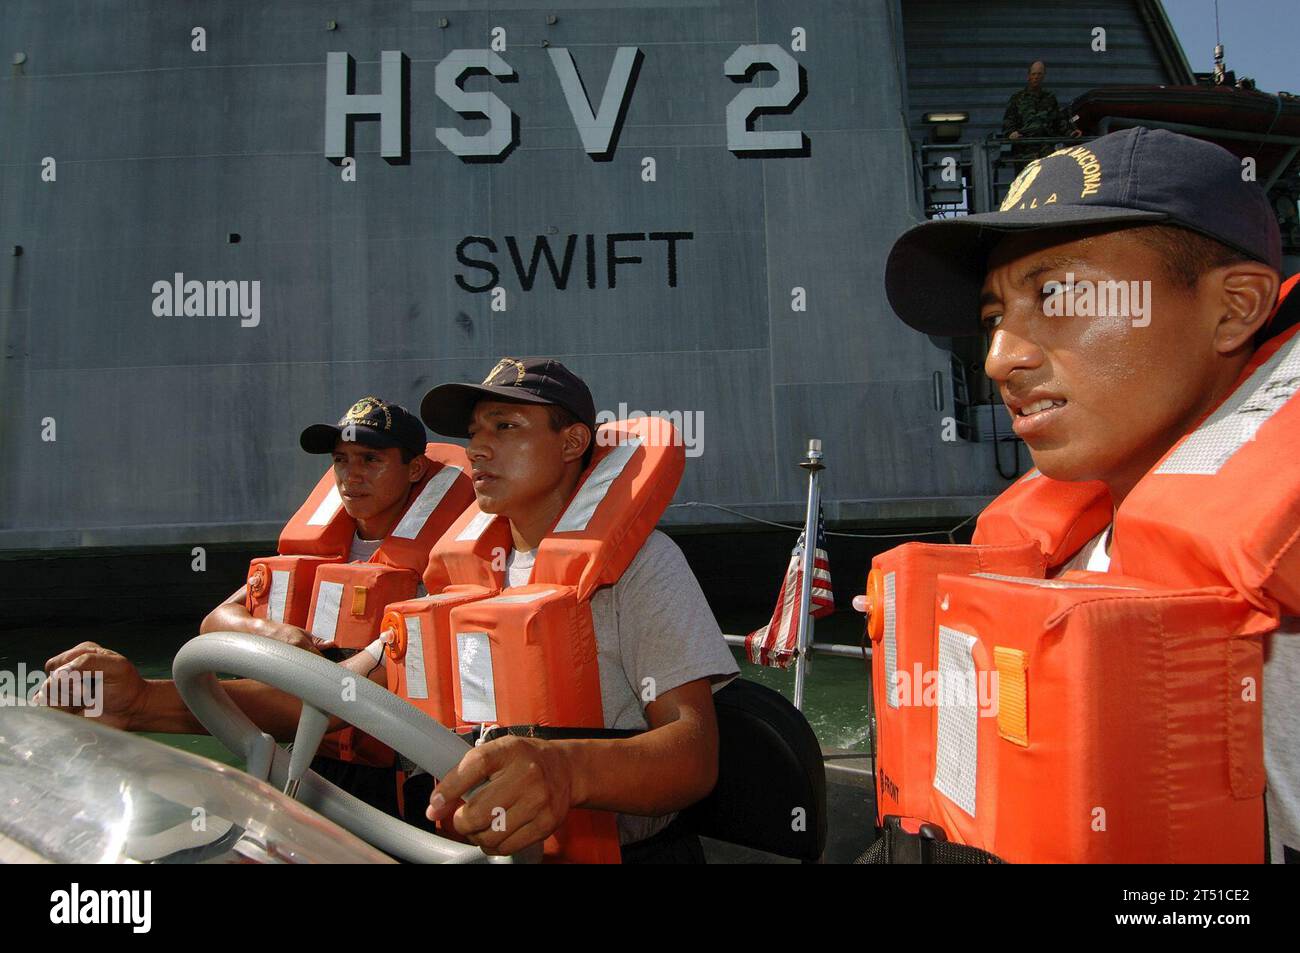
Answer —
(477, 734)
(928, 845)
(486, 733)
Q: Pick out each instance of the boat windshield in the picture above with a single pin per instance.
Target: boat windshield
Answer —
(75, 791)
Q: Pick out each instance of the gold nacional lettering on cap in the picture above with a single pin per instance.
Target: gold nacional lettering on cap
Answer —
(1089, 167)
(1021, 183)
(364, 409)
(503, 368)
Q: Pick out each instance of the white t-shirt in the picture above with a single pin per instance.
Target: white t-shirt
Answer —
(1281, 694)
(654, 632)
(1093, 557)
(362, 549)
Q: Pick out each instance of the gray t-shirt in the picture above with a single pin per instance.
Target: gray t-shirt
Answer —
(362, 549)
(1282, 740)
(654, 632)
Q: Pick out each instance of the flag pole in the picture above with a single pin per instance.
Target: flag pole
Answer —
(813, 464)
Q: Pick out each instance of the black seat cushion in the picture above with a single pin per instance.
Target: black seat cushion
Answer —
(769, 766)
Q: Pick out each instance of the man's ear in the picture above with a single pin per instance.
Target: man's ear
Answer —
(416, 469)
(1247, 294)
(577, 437)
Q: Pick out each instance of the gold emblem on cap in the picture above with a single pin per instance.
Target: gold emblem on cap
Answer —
(1089, 168)
(1022, 183)
(363, 408)
(503, 368)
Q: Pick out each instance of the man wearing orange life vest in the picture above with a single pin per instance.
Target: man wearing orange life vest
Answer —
(378, 453)
(530, 441)
(531, 427)
(374, 470)
(1101, 393)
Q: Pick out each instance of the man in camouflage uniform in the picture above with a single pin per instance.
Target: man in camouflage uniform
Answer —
(1033, 113)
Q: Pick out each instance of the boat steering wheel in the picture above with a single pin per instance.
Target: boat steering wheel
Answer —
(322, 686)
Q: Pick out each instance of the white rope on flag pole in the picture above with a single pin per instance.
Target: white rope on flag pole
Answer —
(809, 557)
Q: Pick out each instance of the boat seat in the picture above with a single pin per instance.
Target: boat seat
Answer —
(769, 766)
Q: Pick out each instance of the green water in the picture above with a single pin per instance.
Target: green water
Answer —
(835, 697)
(835, 692)
(835, 689)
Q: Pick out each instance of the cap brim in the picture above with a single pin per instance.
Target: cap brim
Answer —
(447, 408)
(935, 270)
(322, 438)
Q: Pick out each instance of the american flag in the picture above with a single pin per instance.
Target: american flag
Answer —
(777, 642)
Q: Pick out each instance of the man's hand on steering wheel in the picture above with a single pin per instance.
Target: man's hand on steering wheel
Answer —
(528, 794)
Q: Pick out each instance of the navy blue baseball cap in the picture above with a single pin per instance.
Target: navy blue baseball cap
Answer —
(371, 422)
(447, 408)
(1135, 177)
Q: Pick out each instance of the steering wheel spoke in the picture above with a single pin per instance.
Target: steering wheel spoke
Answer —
(312, 725)
(259, 754)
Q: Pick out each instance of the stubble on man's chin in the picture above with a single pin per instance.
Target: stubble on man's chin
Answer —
(488, 505)
(1062, 470)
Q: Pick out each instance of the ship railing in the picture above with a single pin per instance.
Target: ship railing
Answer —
(1006, 158)
(816, 648)
(966, 178)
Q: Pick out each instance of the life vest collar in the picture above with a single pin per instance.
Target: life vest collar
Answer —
(322, 526)
(634, 472)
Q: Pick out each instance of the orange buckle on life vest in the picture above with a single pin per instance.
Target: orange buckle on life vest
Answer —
(258, 580)
(354, 746)
(875, 605)
(394, 625)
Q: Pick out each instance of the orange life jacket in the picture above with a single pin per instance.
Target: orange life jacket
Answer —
(475, 652)
(1121, 712)
(311, 584)
(1094, 718)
